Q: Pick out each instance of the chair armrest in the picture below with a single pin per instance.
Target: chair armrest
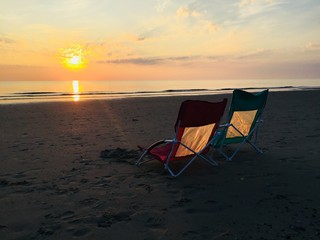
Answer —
(156, 144)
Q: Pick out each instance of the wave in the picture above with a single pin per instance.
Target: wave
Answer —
(142, 92)
(30, 95)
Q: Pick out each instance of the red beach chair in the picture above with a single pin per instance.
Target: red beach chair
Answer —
(195, 129)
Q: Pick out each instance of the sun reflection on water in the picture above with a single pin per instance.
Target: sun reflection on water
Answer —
(76, 91)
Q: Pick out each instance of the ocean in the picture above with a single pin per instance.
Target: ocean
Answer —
(14, 92)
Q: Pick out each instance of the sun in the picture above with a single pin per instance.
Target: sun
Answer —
(74, 57)
(75, 60)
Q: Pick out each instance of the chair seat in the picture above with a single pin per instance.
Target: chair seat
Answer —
(161, 152)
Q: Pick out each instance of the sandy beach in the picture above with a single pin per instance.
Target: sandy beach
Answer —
(56, 185)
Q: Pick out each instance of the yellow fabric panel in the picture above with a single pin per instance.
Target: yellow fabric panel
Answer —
(195, 138)
(242, 120)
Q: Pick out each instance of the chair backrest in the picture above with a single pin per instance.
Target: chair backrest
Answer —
(196, 124)
(245, 110)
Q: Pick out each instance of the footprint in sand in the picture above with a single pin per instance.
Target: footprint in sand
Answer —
(93, 202)
(182, 202)
(64, 215)
(49, 229)
(155, 222)
(147, 187)
(110, 218)
(80, 232)
(54, 221)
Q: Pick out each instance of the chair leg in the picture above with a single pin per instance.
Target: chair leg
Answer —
(139, 162)
(258, 150)
(181, 170)
(229, 158)
(209, 160)
(237, 150)
(220, 150)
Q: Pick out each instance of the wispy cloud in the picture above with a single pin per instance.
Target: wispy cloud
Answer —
(312, 46)
(137, 61)
(134, 38)
(210, 26)
(243, 3)
(187, 12)
(262, 53)
(249, 8)
(253, 56)
(150, 60)
(162, 5)
(182, 60)
(195, 20)
(7, 42)
(151, 32)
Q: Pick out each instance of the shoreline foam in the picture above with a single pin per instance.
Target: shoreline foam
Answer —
(45, 96)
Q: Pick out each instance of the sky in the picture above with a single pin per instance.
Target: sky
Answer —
(159, 39)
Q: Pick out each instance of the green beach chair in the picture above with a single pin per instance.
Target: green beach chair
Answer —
(243, 121)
